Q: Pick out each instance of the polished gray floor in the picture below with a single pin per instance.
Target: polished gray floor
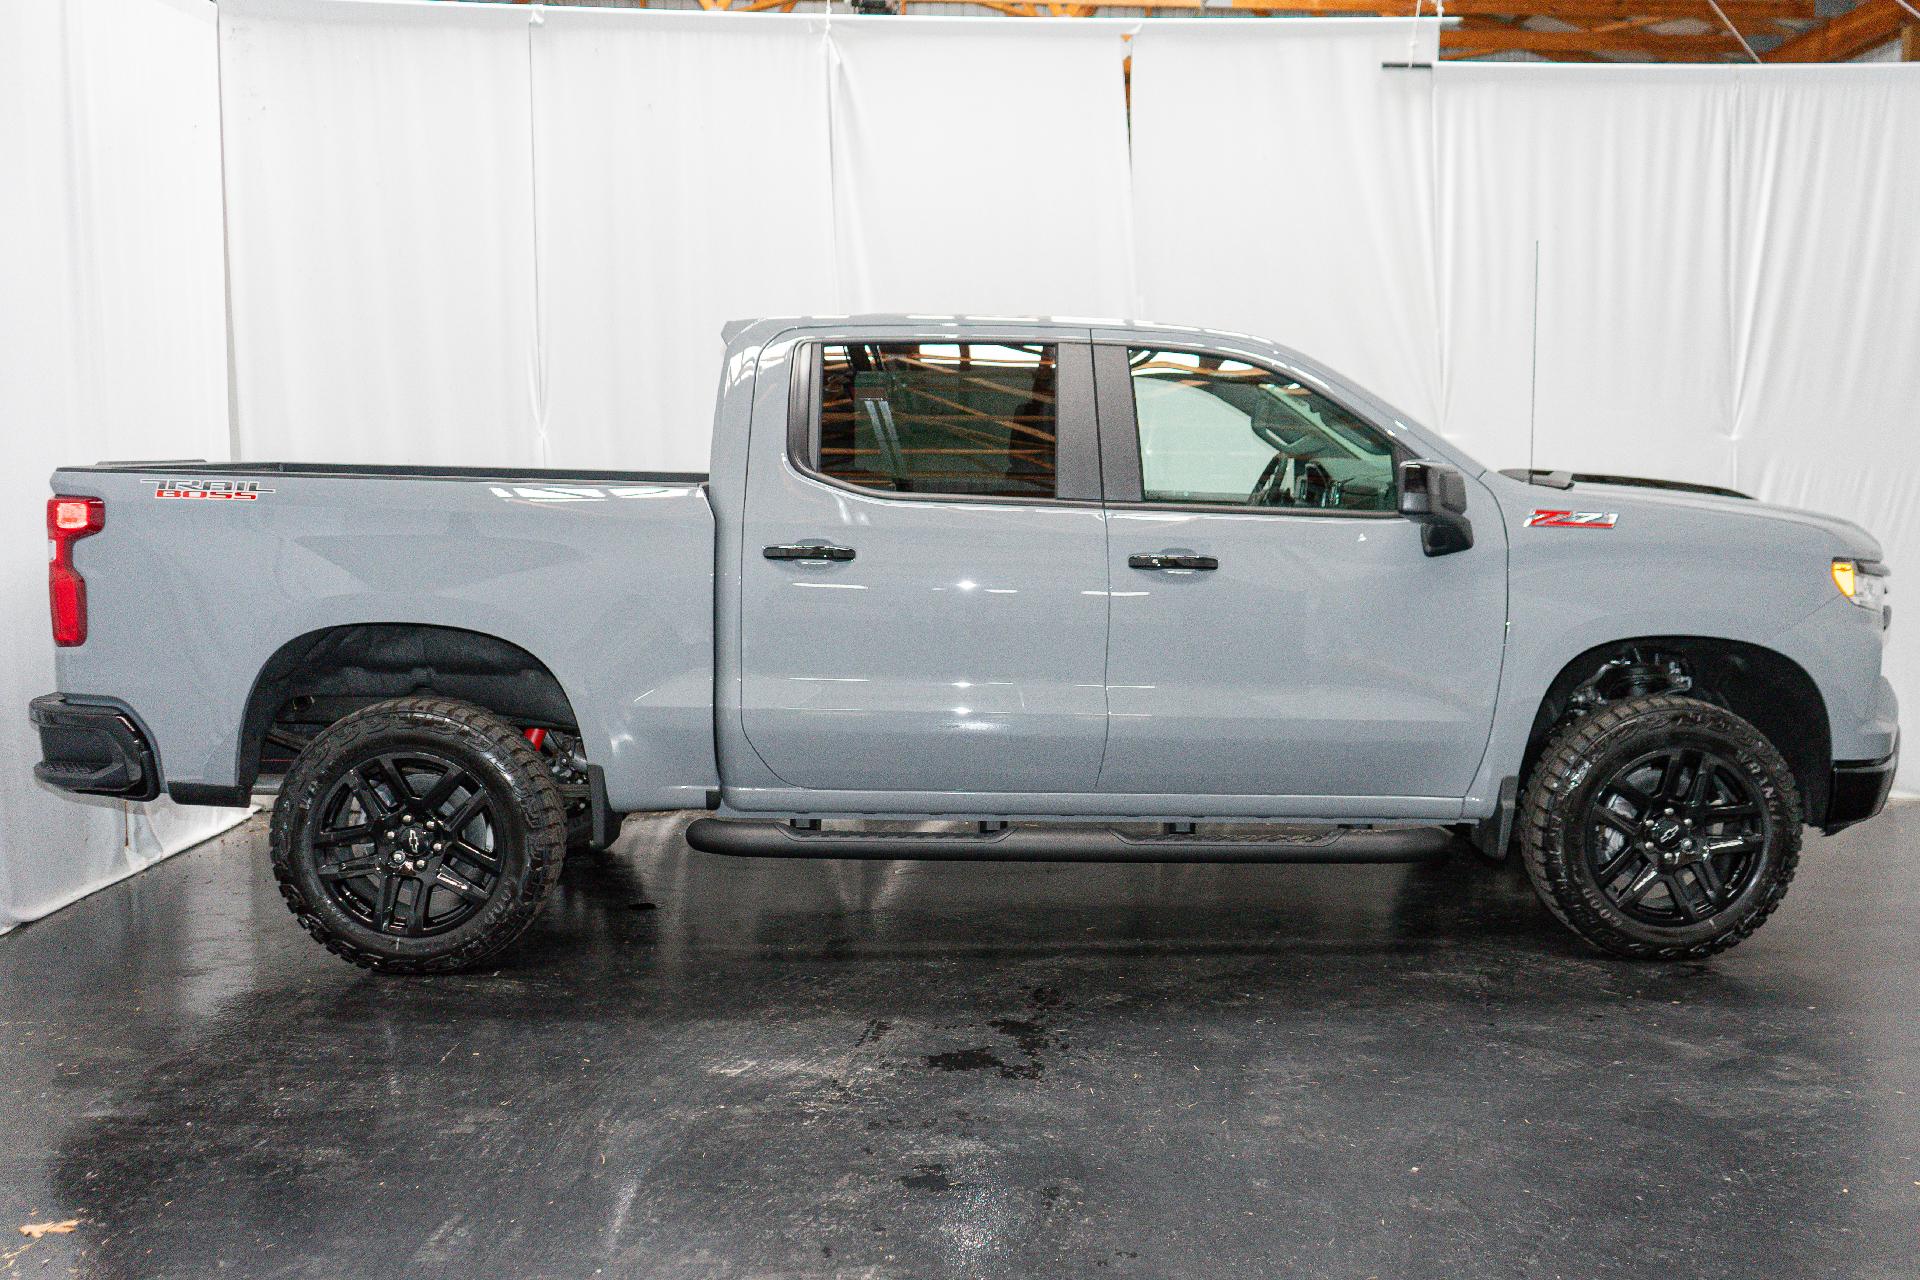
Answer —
(703, 1068)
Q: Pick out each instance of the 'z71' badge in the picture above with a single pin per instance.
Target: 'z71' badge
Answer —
(217, 490)
(1573, 519)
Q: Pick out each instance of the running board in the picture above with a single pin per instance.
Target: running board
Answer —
(1039, 842)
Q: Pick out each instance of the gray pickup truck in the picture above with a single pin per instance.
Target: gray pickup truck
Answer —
(979, 589)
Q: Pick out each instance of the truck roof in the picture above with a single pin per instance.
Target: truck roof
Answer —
(733, 328)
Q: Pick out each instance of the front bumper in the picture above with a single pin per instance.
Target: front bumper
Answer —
(92, 750)
(1858, 789)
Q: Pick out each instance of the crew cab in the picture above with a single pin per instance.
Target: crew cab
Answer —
(979, 589)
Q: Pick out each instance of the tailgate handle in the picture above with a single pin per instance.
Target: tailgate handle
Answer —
(807, 551)
(1169, 561)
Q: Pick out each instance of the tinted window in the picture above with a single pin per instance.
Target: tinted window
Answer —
(1221, 431)
(976, 418)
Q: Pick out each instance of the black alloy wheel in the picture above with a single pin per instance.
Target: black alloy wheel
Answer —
(411, 838)
(1661, 827)
(418, 835)
(1677, 835)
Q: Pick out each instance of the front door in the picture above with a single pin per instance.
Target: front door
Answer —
(1276, 629)
(924, 577)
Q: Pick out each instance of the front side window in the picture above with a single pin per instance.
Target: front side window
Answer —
(979, 419)
(1223, 432)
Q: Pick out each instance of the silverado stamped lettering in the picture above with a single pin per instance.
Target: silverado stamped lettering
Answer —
(219, 490)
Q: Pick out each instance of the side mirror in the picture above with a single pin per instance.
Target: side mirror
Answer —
(1434, 496)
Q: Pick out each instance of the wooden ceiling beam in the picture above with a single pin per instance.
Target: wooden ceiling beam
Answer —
(1742, 11)
(1847, 35)
(1479, 41)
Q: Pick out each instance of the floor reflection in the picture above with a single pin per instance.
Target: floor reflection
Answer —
(703, 1067)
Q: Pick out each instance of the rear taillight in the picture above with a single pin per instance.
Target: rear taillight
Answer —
(68, 521)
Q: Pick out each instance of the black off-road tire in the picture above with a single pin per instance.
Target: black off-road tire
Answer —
(530, 840)
(1578, 762)
(580, 832)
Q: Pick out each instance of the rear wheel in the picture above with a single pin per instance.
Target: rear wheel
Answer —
(419, 835)
(1661, 827)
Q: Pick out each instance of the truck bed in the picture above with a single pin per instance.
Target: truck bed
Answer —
(606, 576)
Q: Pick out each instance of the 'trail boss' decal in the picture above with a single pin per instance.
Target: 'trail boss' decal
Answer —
(218, 490)
(1573, 519)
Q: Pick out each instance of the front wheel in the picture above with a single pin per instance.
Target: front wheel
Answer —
(418, 835)
(1661, 827)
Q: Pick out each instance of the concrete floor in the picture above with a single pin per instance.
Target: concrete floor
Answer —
(703, 1068)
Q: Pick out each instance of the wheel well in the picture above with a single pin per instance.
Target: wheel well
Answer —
(318, 678)
(1767, 689)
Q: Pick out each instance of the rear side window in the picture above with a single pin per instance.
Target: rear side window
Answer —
(976, 419)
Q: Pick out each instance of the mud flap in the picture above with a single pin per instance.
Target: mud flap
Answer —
(606, 823)
(1492, 837)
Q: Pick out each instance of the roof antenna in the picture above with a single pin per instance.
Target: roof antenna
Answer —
(1533, 375)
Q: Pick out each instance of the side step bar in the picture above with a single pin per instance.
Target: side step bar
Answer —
(1040, 842)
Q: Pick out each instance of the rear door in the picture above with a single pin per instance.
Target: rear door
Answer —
(1276, 629)
(923, 604)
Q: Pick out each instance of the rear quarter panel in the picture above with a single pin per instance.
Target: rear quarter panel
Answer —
(609, 584)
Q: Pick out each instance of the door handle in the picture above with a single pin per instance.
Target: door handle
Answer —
(1168, 561)
(807, 551)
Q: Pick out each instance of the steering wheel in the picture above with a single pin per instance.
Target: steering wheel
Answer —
(1263, 488)
(1315, 486)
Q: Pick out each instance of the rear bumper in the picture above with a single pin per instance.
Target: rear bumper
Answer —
(92, 749)
(1858, 789)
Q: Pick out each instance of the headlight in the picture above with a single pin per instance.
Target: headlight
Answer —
(1862, 581)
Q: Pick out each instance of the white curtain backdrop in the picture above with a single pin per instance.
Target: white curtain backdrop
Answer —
(981, 167)
(1620, 179)
(380, 225)
(682, 181)
(112, 344)
(1283, 185)
(1827, 333)
(511, 235)
(1826, 398)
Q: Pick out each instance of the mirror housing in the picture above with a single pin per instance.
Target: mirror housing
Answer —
(1434, 496)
